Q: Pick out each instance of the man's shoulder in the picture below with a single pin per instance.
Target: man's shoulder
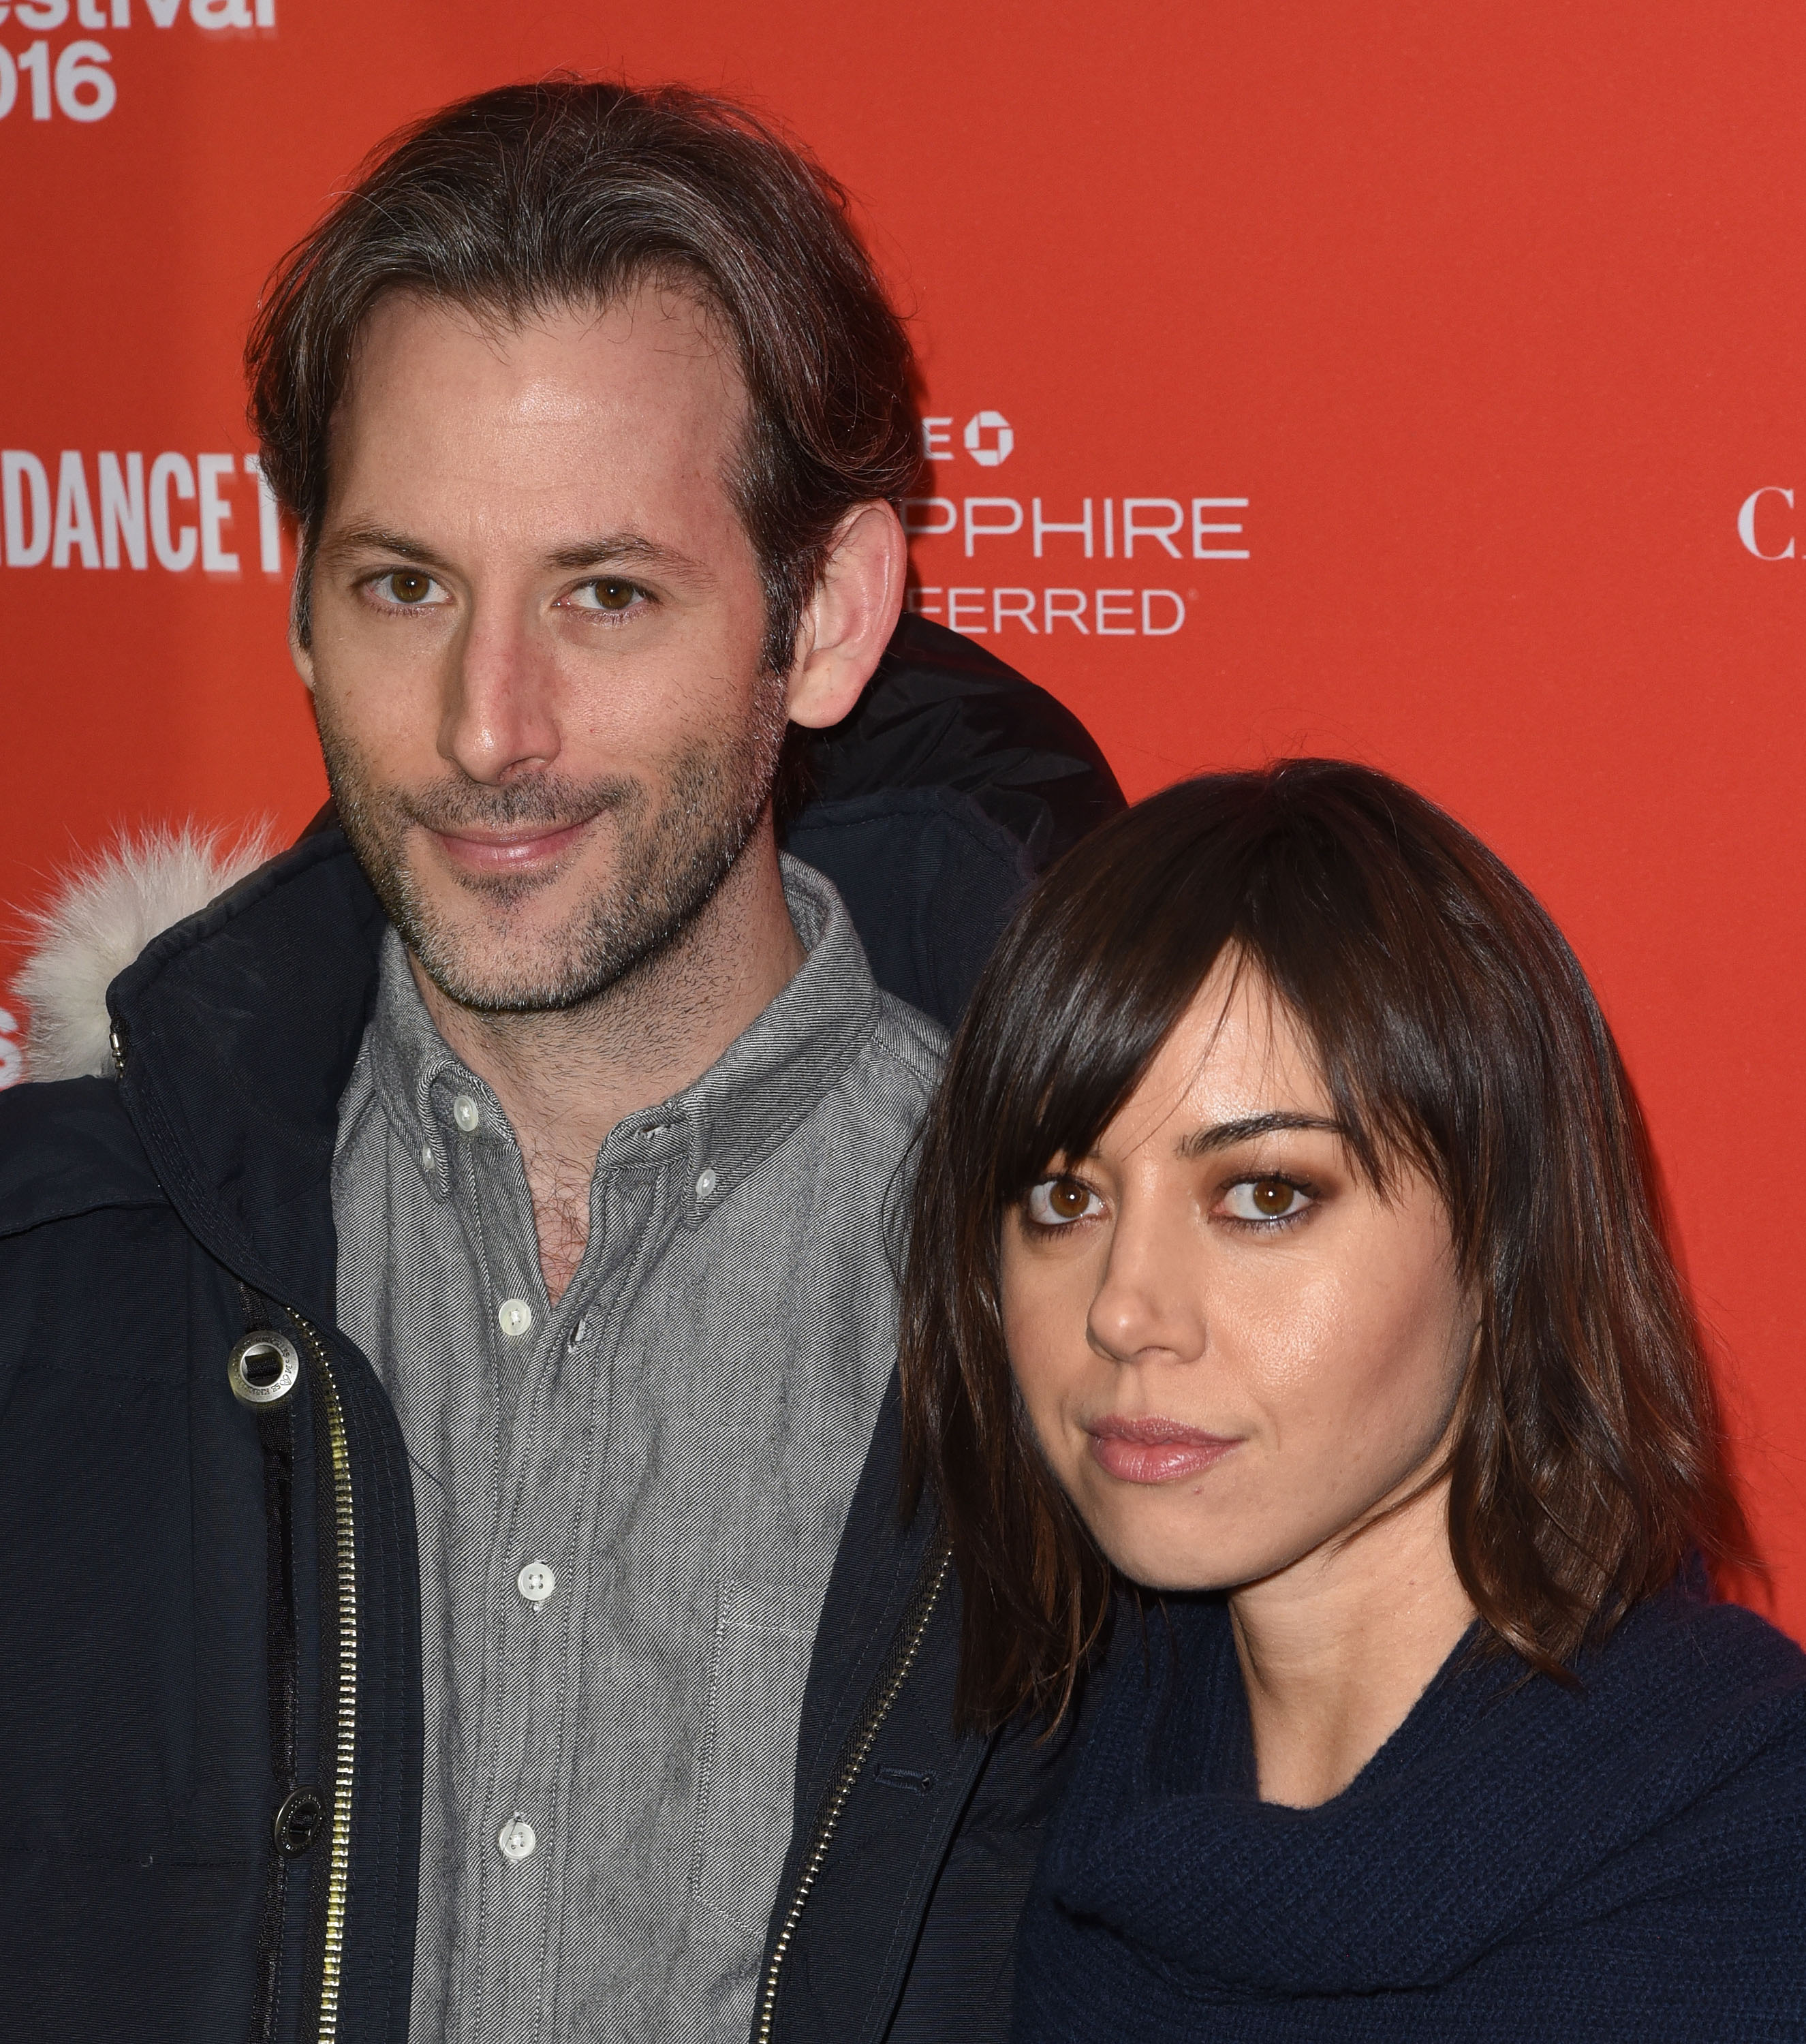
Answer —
(909, 1043)
(888, 1082)
(867, 1119)
(67, 1147)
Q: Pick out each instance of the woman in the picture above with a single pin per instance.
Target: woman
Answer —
(1288, 1276)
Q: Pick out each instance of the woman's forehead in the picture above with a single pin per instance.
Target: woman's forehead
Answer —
(1238, 1055)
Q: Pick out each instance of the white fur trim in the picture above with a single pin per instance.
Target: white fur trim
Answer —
(104, 913)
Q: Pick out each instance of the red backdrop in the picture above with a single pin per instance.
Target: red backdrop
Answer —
(1481, 325)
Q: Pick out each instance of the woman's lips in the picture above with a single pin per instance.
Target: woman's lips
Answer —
(507, 851)
(1153, 1450)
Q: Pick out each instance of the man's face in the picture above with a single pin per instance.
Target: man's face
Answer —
(537, 627)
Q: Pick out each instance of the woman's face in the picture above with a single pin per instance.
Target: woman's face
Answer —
(1232, 1347)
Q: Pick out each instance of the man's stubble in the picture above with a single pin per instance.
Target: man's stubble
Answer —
(672, 854)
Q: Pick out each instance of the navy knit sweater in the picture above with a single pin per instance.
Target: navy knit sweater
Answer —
(1518, 1861)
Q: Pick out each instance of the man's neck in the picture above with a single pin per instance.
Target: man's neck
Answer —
(565, 1079)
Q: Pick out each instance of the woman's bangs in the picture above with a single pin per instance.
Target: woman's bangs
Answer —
(1104, 1011)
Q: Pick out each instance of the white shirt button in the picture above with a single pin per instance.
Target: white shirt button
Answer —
(426, 1157)
(517, 1839)
(706, 1184)
(516, 1317)
(466, 1112)
(536, 1582)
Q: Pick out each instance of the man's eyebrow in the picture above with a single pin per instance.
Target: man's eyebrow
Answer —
(380, 539)
(623, 550)
(609, 549)
(1225, 1135)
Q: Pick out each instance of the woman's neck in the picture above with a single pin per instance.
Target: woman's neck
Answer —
(1336, 1649)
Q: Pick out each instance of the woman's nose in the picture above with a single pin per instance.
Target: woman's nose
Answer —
(1149, 1305)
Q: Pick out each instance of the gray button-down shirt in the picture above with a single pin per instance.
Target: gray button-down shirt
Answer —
(629, 1502)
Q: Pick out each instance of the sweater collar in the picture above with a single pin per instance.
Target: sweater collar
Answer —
(1502, 1800)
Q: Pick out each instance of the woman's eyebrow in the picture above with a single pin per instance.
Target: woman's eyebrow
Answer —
(1224, 1135)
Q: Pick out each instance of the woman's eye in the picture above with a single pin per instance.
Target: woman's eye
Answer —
(411, 587)
(606, 593)
(1265, 1199)
(1058, 1202)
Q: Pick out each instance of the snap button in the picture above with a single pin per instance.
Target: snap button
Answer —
(536, 1582)
(262, 1369)
(517, 1840)
(706, 1184)
(466, 1112)
(298, 1823)
(516, 1316)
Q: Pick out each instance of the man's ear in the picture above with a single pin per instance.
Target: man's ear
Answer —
(302, 657)
(851, 617)
(301, 618)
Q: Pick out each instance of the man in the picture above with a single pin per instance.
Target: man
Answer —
(441, 1357)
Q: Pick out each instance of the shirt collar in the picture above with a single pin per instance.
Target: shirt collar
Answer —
(761, 1087)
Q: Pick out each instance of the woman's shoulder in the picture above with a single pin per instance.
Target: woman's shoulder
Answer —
(1685, 1647)
(1691, 1718)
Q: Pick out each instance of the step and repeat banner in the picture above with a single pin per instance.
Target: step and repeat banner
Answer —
(1414, 383)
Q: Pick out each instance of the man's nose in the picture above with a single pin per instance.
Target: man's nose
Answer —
(500, 708)
(1150, 1306)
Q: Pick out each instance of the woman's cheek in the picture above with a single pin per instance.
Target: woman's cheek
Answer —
(1291, 1331)
(1043, 1306)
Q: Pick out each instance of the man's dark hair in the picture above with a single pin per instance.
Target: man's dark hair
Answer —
(1457, 1036)
(531, 197)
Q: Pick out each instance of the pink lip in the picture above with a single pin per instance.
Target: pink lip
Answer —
(1153, 1450)
(511, 851)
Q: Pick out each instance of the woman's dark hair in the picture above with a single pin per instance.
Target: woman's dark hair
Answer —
(531, 197)
(1457, 1035)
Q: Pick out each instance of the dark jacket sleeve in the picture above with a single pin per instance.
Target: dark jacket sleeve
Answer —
(959, 1987)
(932, 807)
(896, 1916)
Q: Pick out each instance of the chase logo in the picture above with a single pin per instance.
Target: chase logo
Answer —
(989, 439)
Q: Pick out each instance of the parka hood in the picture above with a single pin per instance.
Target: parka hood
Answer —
(104, 914)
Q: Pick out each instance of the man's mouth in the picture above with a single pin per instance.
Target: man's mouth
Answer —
(524, 848)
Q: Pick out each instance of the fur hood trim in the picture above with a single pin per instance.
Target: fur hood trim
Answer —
(105, 912)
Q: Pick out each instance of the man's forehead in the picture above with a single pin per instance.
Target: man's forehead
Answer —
(550, 363)
(624, 408)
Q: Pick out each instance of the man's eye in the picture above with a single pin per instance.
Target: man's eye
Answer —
(1058, 1202)
(606, 593)
(1265, 1199)
(411, 586)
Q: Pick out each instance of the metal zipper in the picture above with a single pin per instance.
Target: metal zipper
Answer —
(345, 1548)
(857, 1752)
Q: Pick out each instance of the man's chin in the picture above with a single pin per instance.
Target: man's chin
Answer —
(503, 987)
(492, 965)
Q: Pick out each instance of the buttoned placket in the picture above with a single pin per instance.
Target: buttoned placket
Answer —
(658, 1416)
(559, 1384)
